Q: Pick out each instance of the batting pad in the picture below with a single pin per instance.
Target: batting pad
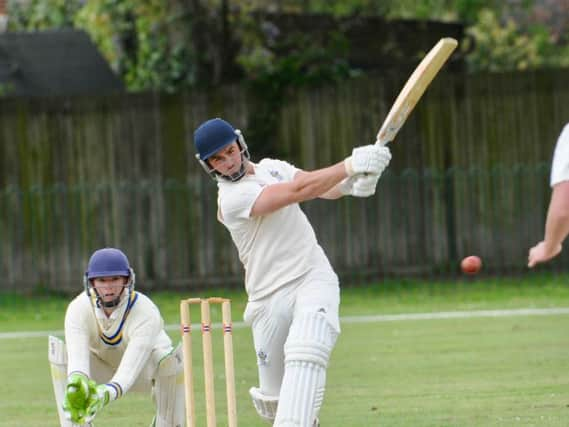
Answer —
(307, 351)
(266, 406)
(168, 391)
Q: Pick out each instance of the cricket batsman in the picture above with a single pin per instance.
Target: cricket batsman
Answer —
(293, 292)
(557, 222)
(114, 343)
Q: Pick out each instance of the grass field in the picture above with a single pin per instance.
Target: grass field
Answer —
(511, 370)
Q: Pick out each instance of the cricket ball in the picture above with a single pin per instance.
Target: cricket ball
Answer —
(471, 264)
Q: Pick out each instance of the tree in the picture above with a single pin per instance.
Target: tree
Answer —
(169, 45)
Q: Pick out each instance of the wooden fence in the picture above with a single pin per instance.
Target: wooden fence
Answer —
(469, 175)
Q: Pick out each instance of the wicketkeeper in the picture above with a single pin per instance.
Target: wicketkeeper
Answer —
(114, 343)
(293, 292)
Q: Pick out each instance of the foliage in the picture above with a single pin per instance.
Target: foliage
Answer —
(132, 35)
(465, 10)
(306, 62)
(135, 36)
(499, 47)
(5, 89)
(42, 14)
(502, 46)
(168, 46)
(289, 62)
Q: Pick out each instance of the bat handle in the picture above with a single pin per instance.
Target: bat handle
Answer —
(381, 142)
(383, 137)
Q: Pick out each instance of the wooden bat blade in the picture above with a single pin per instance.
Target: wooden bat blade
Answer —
(414, 89)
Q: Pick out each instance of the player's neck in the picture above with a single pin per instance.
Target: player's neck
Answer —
(249, 168)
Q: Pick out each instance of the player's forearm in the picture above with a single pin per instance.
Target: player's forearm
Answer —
(557, 223)
(310, 185)
(77, 341)
(332, 194)
(131, 365)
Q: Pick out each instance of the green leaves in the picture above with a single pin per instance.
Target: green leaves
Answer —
(504, 46)
(170, 46)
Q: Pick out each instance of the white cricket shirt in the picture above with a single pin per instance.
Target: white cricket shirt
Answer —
(560, 164)
(277, 248)
(124, 341)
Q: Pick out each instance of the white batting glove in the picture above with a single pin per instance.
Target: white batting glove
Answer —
(369, 159)
(365, 185)
(358, 185)
(346, 186)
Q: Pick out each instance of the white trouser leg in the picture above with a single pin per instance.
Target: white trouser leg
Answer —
(169, 391)
(270, 322)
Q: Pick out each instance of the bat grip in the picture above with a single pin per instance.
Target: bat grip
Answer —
(380, 142)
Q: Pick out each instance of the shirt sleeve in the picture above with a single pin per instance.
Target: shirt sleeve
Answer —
(285, 169)
(237, 200)
(237, 205)
(142, 328)
(77, 335)
(560, 164)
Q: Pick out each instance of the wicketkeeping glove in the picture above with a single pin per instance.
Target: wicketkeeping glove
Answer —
(76, 398)
(99, 396)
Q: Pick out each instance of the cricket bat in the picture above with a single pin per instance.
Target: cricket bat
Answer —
(414, 89)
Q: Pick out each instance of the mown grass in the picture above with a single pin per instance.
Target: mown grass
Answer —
(507, 371)
(44, 311)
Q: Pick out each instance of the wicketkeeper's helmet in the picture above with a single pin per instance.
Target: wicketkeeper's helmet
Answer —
(108, 262)
(213, 135)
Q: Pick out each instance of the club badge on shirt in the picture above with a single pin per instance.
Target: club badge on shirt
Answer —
(276, 174)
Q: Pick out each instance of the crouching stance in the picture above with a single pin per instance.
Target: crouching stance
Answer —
(114, 343)
(293, 292)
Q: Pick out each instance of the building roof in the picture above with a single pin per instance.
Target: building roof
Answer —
(55, 62)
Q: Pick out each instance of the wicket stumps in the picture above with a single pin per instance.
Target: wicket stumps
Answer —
(186, 330)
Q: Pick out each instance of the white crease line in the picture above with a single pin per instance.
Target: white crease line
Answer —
(361, 319)
(457, 315)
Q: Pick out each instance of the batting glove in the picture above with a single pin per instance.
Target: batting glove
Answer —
(365, 185)
(367, 159)
(346, 186)
(384, 159)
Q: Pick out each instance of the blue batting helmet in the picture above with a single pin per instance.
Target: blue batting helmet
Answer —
(212, 135)
(108, 262)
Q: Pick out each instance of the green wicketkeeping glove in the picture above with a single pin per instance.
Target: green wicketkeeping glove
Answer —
(76, 398)
(99, 396)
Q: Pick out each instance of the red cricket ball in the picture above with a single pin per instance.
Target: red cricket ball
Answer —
(471, 264)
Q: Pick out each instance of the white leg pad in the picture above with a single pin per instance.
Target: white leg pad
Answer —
(57, 356)
(168, 391)
(307, 351)
(266, 406)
